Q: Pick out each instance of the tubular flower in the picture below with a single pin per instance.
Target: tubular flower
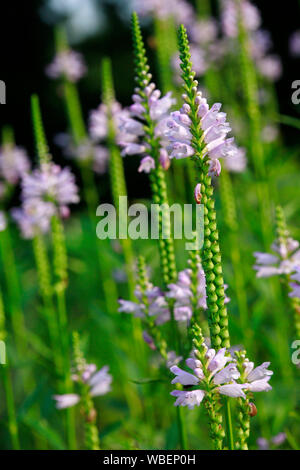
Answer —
(68, 64)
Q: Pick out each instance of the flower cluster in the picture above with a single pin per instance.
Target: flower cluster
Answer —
(269, 65)
(158, 301)
(132, 126)
(229, 17)
(217, 374)
(98, 382)
(214, 127)
(46, 191)
(68, 64)
(182, 10)
(14, 163)
(286, 259)
(275, 441)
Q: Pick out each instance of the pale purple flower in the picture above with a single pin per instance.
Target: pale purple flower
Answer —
(270, 67)
(189, 399)
(181, 10)
(229, 17)
(236, 160)
(204, 31)
(279, 439)
(50, 183)
(69, 64)
(257, 378)
(66, 401)
(99, 383)
(173, 359)
(34, 217)
(147, 164)
(181, 293)
(294, 44)
(149, 340)
(157, 306)
(269, 133)
(263, 443)
(233, 390)
(14, 163)
(286, 259)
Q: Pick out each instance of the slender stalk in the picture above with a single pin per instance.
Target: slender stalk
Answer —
(13, 290)
(158, 184)
(116, 167)
(59, 268)
(211, 254)
(8, 386)
(46, 291)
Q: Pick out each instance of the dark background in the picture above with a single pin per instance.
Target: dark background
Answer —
(27, 46)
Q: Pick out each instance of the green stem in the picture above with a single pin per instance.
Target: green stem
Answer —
(228, 420)
(13, 290)
(8, 386)
(46, 291)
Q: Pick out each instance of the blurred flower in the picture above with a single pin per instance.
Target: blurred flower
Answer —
(147, 164)
(14, 163)
(69, 64)
(265, 444)
(229, 17)
(294, 43)
(236, 160)
(33, 217)
(46, 192)
(269, 133)
(99, 384)
(285, 260)
(50, 183)
(181, 10)
(270, 67)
